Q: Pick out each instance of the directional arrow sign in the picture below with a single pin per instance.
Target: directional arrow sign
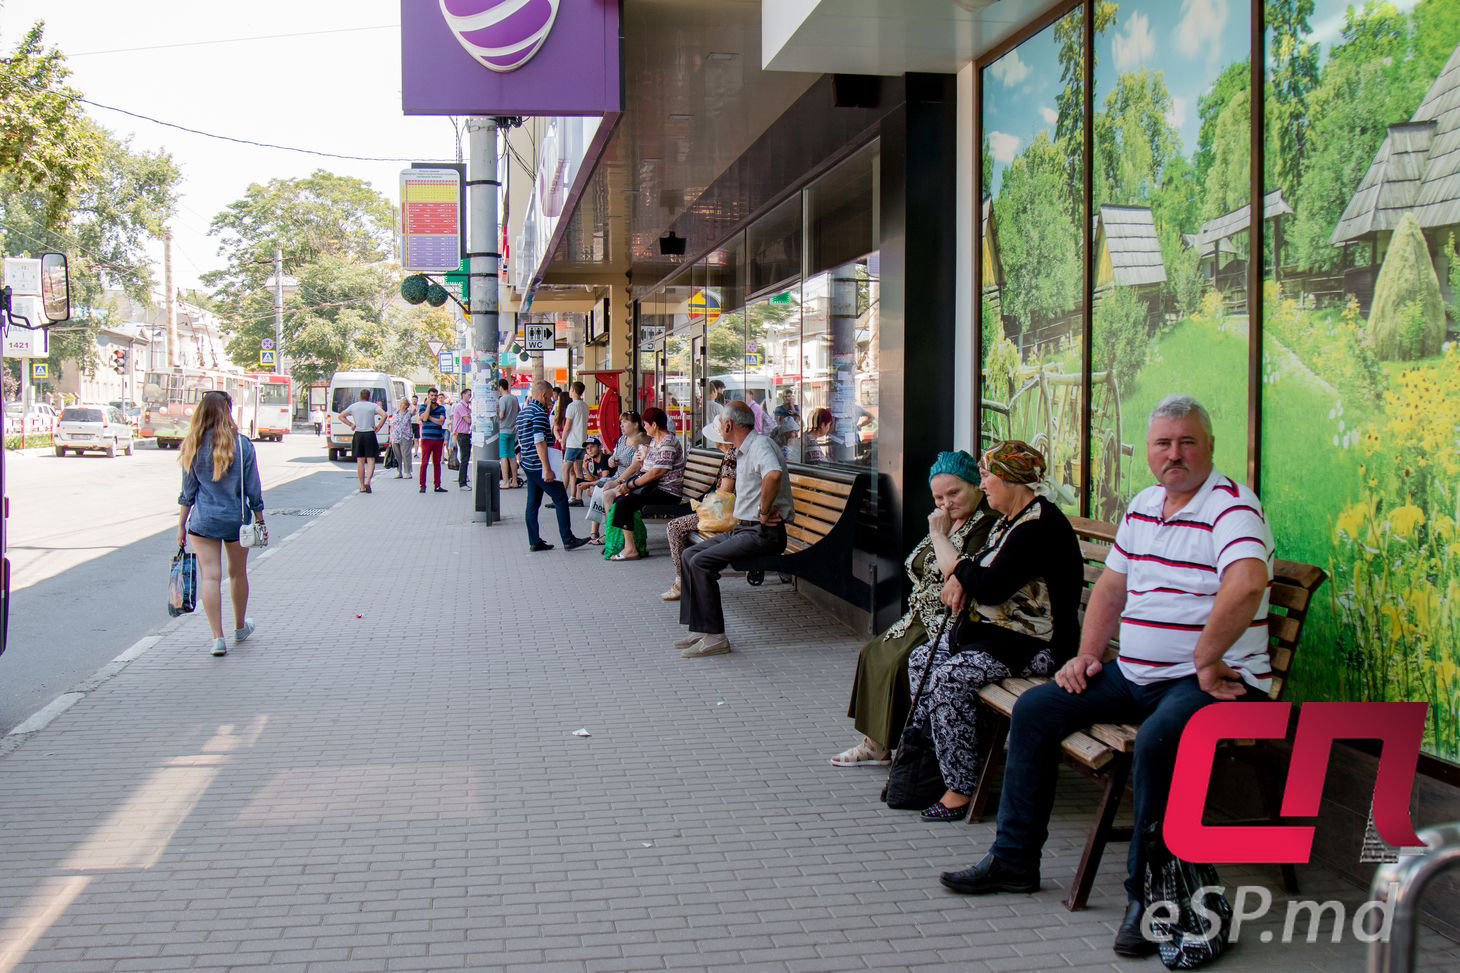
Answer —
(435, 347)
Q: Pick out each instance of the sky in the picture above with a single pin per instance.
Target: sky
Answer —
(1188, 41)
(335, 92)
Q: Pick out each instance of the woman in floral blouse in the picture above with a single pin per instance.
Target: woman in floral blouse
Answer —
(880, 692)
(398, 429)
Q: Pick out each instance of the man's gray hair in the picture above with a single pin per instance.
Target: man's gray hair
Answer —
(739, 414)
(1179, 407)
(541, 387)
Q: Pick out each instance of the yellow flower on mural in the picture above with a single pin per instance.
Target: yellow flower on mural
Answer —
(1405, 519)
(1351, 520)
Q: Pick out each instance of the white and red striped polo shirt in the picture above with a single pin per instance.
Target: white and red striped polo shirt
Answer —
(1172, 570)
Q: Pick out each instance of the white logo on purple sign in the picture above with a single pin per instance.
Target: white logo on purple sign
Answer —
(502, 35)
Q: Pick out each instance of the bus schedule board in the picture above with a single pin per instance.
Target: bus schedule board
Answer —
(430, 219)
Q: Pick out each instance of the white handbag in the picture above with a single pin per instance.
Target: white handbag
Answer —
(253, 534)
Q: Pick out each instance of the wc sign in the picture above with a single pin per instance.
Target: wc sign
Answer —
(1399, 728)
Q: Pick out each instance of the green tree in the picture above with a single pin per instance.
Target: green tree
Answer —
(1234, 79)
(1292, 75)
(1038, 236)
(1069, 130)
(320, 215)
(1228, 182)
(1436, 32)
(1133, 140)
(124, 202)
(1367, 84)
(47, 145)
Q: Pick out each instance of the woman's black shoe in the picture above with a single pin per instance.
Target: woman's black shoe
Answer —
(992, 875)
(1128, 939)
(942, 812)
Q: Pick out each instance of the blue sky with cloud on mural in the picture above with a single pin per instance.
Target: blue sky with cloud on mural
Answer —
(1188, 41)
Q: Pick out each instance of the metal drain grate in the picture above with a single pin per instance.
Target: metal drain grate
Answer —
(296, 511)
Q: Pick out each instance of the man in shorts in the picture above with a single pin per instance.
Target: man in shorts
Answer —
(507, 408)
(366, 418)
(575, 434)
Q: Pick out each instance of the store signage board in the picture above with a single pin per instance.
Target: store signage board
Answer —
(541, 337)
(430, 203)
(446, 362)
(506, 57)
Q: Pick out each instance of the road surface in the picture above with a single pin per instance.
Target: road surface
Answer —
(90, 539)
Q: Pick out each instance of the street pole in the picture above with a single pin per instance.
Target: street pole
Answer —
(483, 233)
(278, 311)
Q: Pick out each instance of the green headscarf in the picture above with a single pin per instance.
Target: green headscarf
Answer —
(958, 464)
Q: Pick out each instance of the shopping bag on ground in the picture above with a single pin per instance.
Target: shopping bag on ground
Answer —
(1195, 936)
(613, 537)
(452, 463)
(717, 513)
(390, 462)
(182, 583)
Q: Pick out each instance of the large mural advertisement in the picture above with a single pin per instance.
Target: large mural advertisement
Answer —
(1360, 298)
(1361, 374)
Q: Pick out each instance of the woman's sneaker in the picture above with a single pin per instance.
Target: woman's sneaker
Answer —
(242, 634)
(220, 647)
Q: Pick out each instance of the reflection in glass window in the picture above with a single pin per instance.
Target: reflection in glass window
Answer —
(677, 399)
(773, 367)
(839, 352)
(724, 326)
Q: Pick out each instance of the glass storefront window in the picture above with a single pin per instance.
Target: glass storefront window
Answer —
(773, 245)
(773, 367)
(677, 398)
(725, 325)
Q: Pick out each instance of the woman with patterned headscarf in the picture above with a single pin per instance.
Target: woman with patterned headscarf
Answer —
(1017, 600)
(880, 693)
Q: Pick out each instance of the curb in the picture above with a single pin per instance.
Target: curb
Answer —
(47, 714)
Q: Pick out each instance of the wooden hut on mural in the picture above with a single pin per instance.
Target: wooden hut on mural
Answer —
(993, 267)
(1128, 254)
(1416, 168)
(1215, 241)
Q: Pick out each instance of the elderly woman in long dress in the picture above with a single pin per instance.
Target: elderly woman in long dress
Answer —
(880, 693)
(1016, 599)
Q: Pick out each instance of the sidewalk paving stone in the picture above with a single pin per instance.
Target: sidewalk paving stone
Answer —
(402, 790)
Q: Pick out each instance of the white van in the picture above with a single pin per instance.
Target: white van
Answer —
(344, 391)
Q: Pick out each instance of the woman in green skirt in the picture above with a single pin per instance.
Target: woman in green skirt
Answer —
(880, 693)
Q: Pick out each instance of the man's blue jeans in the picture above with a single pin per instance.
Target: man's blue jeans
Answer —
(535, 489)
(1047, 714)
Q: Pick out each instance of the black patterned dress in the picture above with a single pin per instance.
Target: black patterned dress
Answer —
(1024, 589)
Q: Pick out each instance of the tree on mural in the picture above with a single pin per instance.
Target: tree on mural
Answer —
(1069, 35)
(1292, 75)
(1134, 142)
(1041, 268)
(1367, 84)
(1407, 320)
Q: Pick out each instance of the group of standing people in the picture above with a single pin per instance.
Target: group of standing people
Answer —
(413, 422)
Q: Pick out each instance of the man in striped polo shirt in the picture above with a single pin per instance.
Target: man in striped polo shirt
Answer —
(534, 433)
(1186, 582)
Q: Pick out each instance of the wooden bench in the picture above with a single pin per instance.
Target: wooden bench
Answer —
(1103, 751)
(819, 540)
(701, 470)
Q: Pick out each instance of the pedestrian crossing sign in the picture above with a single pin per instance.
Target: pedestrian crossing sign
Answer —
(266, 357)
(40, 369)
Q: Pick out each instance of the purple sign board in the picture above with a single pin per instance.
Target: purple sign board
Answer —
(510, 57)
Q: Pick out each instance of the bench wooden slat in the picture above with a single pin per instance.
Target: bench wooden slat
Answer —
(1087, 750)
(1117, 736)
(1094, 553)
(806, 537)
(1092, 573)
(820, 485)
(999, 698)
(831, 506)
(1291, 597)
(1284, 629)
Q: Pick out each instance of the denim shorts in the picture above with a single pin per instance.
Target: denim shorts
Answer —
(573, 454)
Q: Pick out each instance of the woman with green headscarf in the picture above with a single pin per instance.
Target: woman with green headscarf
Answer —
(1017, 600)
(880, 692)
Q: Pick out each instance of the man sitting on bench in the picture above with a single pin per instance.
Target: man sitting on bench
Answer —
(1187, 582)
(763, 507)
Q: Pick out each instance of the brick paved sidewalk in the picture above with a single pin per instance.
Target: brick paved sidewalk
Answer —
(403, 791)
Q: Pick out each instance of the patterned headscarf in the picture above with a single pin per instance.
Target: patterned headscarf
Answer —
(1014, 461)
(958, 464)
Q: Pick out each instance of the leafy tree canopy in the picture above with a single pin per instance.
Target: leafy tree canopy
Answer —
(1040, 252)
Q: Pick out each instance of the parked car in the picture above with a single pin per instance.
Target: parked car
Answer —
(40, 420)
(93, 428)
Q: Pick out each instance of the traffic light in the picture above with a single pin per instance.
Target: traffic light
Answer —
(119, 361)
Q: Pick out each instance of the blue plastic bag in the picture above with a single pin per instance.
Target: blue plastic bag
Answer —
(182, 583)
